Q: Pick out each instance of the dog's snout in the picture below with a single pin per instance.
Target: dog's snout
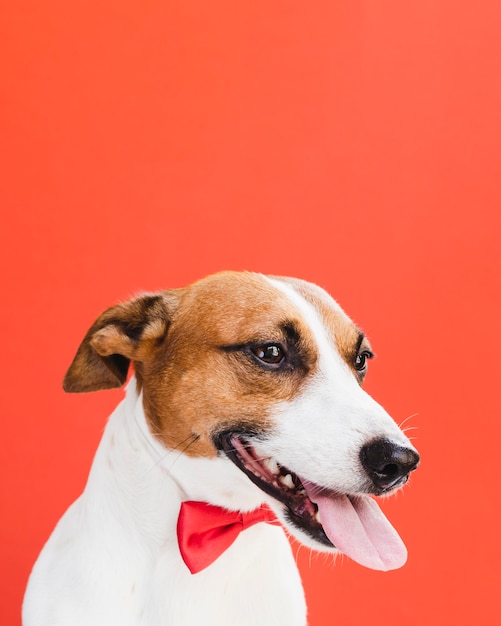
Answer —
(387, 463)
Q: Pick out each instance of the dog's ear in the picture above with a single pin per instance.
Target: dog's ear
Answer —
(124, 333)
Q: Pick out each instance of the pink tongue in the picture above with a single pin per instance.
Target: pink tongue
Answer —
(359, 528)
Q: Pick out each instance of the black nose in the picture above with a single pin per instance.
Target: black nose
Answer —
(387, 463)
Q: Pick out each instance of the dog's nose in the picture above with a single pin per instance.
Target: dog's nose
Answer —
(387, 463)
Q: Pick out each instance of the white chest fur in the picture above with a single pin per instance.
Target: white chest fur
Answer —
(113, 558)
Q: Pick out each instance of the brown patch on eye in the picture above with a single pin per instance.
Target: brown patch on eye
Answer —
(345, 334)
(197, 386)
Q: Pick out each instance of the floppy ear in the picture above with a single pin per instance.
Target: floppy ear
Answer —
(124, 333)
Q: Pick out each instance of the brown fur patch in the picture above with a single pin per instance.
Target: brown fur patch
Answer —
(195, 386)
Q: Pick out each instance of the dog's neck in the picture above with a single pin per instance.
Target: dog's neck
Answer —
(135, 478)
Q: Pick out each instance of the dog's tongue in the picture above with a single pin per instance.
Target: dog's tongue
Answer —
(359, 528)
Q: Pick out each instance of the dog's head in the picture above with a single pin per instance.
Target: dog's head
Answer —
(266, 371)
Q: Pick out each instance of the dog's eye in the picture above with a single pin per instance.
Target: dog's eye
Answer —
(361, 360)
(271, 354)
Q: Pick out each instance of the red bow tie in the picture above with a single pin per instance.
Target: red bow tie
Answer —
(205, 531)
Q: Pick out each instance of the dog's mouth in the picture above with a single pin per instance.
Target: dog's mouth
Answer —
(278, 482)
(353, 524)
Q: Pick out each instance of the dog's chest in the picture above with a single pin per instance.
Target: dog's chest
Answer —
(255, 581)
(118, 558)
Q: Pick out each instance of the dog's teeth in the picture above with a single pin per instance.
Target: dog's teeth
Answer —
(287, 481)
(272, 465)
(317, 517)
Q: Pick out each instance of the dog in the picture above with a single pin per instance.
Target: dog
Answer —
(245, 416)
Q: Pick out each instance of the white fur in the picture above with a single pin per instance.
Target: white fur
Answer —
(113, 559)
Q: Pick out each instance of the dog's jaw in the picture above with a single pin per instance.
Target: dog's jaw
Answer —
(279, 483)
(325, 519)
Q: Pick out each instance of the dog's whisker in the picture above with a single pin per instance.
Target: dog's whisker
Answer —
(155, 431)
(194, 437)
(189, 442)
(401, 425)
(148, 441)
(408, 428)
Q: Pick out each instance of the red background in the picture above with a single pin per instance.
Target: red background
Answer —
(355, 144)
